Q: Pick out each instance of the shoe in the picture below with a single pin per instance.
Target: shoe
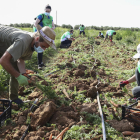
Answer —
(132, 100)
(18, 101)
(40, 67)
(68, 45)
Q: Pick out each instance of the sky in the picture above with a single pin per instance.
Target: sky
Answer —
(115, 13)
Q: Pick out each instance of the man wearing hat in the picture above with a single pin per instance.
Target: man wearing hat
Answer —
(110, 33)
(15, 47)
(136, 77)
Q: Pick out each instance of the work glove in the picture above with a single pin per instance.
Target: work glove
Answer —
(73, 39)
(123, 83)
(22, 80)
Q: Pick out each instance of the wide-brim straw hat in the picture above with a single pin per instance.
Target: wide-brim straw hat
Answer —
(138, 52)
(47, 34)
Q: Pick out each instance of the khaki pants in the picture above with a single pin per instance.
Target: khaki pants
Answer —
(13, 83)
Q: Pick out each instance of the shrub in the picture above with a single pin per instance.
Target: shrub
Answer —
(129, 40)
(76, 27)
(118, 36)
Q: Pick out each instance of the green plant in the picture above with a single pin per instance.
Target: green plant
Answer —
(118, 36)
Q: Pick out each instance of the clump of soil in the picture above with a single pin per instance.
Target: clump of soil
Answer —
(82, 67)
(36, 78)
(54, 76)
(79, 72)
(136, 135)
(123, 125)
(21, 89)
(34, 95)
(43, 114)
(69, 65)
(64, 119)
(88, 107)
(71, 59)
(97, 42)
(92, 92)
(91, 73)
(18, 133)
(79, 86)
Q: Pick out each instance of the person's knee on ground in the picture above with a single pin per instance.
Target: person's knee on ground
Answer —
(136, 91)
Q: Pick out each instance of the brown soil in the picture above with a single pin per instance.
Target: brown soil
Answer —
(123, 125)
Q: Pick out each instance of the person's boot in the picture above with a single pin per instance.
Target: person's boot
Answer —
(42, 64)
(40, 67)
(68, 45)
(18, 101)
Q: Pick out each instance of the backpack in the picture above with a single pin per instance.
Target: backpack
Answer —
(41, 19)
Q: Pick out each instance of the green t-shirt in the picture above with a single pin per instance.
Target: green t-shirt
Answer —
(65, 36)
(16, 42)
(47, 21)
(110, 32)
(82, 28)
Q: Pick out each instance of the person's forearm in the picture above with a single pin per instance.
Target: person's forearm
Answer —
(53, 26)
(36, 22)
(5, 61)
(21, 66)
(70, 39)
(132, 79)
(9, 68)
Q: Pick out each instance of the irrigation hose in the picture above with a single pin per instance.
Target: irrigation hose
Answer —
(51, 73)
(31, 109)
(101, 113)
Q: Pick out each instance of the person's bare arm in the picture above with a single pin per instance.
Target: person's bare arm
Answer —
(21, 66)
(5, 62)
(132, 79)
(110, 37)
(36, 22)
(53, 26)
(70, 39)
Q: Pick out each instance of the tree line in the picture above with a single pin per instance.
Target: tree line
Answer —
(76, 27)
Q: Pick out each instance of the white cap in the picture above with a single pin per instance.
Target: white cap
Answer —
(138, 52)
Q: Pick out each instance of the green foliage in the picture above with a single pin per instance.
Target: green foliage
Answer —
(129, 40)
(118, 36)
(77, 132)
(76, 27)
(23, 25)
(47, 91)
(4, 78)
(67, 26)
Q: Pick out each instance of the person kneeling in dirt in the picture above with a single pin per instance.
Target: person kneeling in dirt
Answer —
(136, 77)
(101, 35)
(66, 39)
(82, 28)
(110, 33)
(15, 47)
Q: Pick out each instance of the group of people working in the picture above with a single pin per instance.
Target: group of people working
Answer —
(109, 34)
(16, 46)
